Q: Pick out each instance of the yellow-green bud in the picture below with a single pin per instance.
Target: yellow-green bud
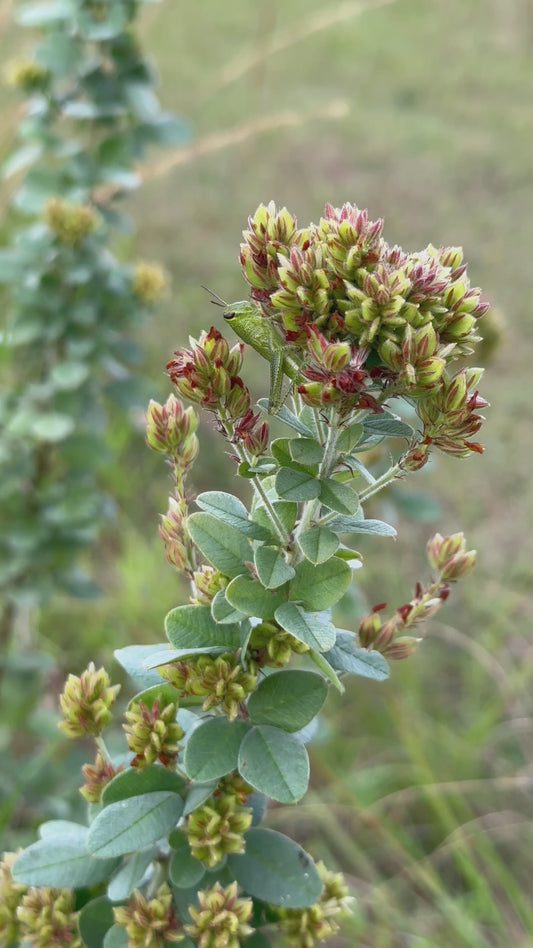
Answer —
(11, 894)
(221, 920)
(97, 776)
(304, 928)
(71, 223)
(26, 74)
(150, 924)
(86, 702)
(149, 282)
(170, 430)
(153, 733)
(217, 828)
(47, 918)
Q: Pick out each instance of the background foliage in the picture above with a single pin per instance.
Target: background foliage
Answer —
(420, 112)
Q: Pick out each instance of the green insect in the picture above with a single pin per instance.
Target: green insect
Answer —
(259, 333)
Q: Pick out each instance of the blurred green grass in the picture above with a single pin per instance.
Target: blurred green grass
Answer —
(422, 786)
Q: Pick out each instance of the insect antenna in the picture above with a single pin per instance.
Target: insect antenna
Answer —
(217, 301)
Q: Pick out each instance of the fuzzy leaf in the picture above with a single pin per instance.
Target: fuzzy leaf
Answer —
(277, 870)
(135, 783)
(251, 598)
(223, 612)
(231, 510)
(129, 875)
(275, 763)
(287, 699)
(225, 547)
(386, 425)
(296, 485)
(271, 567)
(213, 748)
(286, 511)
(198, 794)
(318, 544)
(194, 627)
(184, 870)
(346, 656)
(126, 826)
(307, 627)
(319, 587)
(95, 919)
(132, 659)
(338, 496)
(61, 864)
(359, 525)
(306, 450)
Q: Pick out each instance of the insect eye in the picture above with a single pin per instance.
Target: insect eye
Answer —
(229, 315)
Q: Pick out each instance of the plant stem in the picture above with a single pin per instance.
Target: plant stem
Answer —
(380, 483)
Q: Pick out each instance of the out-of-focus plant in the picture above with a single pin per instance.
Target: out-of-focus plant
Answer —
(69, 302)
(174, 851)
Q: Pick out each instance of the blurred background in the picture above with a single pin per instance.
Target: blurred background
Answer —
(421, 111)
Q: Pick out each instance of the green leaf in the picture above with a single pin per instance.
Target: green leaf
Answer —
(184, 870)
(296, 485)
(277, 870)
(319, 587)
(275, 763)
(42, 14)
(52, 427)
(349, 437)
(130, 874)
(231, 510)
(134, 783)
(213, 748)
(163, 692)
(198, 794)
(284, 414)
(306, 450)
(68, 376)
(287, 699)
(250, 597)
(117, 937)
(338, 496)
(346, 656)
(359, 525)
(325, 667)
(271, 567)
(286, 512)
(223, 612)
(225, 547)
(60, 864)
(125, 827)
(318, 544)
(387, 425)
(95, 919)
(62, 830)
(307, 627)
(132, 660)
(257, 940)
(194, 627)
(178, 654)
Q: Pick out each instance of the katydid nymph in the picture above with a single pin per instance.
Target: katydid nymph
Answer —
(258, 332)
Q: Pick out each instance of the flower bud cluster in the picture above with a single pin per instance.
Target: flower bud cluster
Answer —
(271, 645)
(27, 75)
(207, 374)
(86, 703)
(217, 828)
(97, 776)
(150, 923)
(452, 561)
(208, 581)
(170, 429)
(71, 223)
(221, 919)
(174, 535)
(221, 681)
(304, 928)
(335, 375)
(153, 733)
(449, 415)
(233, 785)
(149, 282)
(269, 233)
(48, 919)
(11, 894)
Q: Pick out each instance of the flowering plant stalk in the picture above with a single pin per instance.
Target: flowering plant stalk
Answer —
(174, 850)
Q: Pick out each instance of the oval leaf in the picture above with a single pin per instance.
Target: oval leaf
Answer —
(359, 525)
(231, 510)
(213, 749)
(226, 548)
(95, 919)
(223, 612)
(346, 656)
(277, 870)
(271, 567)
(288, 699)
(135, 783)
(275, 763)
(60, 865)
(184, 870)
(338, 496)
(318, 544)
(194, 627)
(318, 633)
(133, 824)
(129, 876)
(296, 485)
(250, 597)
(319, 587)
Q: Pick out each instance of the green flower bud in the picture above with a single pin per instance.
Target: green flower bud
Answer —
(71, 223)
(47, 918)
(221, 920)
(11, 895)
(97, 776)
(153, 733)
(170, 430)
(217, 828)
(150, 924)
(86, 702)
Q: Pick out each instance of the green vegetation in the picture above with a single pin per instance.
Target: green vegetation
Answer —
(423, 782)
